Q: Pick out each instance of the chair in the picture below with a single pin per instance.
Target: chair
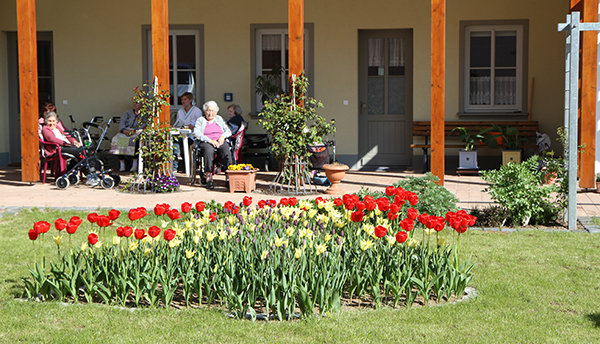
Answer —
(57, 161)
(237, 141)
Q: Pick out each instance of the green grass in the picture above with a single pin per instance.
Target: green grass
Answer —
(533, 286)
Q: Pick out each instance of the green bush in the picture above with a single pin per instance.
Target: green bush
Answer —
(520, 189)
(434, 199)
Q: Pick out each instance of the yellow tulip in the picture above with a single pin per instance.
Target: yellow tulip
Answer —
(174, 243)
(298, 253)
(133, 246)
(366, 244)
(210, 236)
(327, 237)
(147, 251)
(290, 231)
(116, 240)
(189, 254)
(264, 254)
(57, 239)
(320, 248)
(84, 246)
(222, 235)
(98, 245)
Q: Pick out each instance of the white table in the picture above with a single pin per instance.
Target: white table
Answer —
(186, 150)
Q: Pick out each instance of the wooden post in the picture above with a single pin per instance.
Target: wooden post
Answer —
(160, 50)
(438, 72)
(28, 90)
(296, 37)
(589, 60)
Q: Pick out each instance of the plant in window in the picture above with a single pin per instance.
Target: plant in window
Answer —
(292, 122)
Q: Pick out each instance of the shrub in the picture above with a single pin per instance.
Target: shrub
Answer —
(520, 189)
(434, 199)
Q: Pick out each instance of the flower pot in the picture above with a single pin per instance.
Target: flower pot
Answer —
(598, 187)
(335, 173)
(509, 156)
(467, 159)
(242, 180)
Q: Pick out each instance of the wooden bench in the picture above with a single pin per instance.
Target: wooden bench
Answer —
(527, 129)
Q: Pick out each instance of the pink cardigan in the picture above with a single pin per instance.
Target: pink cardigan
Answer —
(50, 137)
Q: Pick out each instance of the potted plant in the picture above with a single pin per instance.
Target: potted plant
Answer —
(292, 122)
(467, 157)
(242, 177)
(598, 182)
(512, 140)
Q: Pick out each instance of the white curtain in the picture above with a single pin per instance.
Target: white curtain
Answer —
(271, 42)
(505, 90)
(376, 58)
(396, 52)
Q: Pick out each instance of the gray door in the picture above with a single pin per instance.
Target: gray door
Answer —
(45, 86)
(385, 95)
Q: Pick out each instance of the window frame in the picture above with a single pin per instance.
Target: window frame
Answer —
(518, 110)
(256, 54)
(196, 30)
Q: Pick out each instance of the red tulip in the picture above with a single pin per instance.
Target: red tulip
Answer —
(272, 203)
(93, 238)
(360, 206)
(139, 234)
(413, 199)
(213, 217)
(394, 208)
(319, 200)
(338, 202)
(72, 227)
(153, 231)
(173, 214)
(60, 224)
(169, 234)
(120, 232)
(236, 210)
(389, 190)
(200, 206)
(407, 224)
(380, 231)
(412, 214)
(41, 227)
(383, 203)
(262, 204)
(371, 205)
(357, 216)
(137, 213)
(293, 201)
(401, 237)
(92, 217)
(247, 201)
(186, 207)
(33, 234)
(103, 221)
(113, 214)
(228, 206)
(284, 202)
(127, 231)
(76, 220)
(160, 209)
(392, 216)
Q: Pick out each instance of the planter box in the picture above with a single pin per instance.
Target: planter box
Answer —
(509, 156)
(467, 159)
(242, 180)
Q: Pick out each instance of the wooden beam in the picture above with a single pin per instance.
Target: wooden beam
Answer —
(296, 37)
(589, 58)
(160, 50)
(28, 90)
(438, 72)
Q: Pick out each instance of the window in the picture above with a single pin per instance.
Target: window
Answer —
(185, 63)
(270, 49)
(494, 73)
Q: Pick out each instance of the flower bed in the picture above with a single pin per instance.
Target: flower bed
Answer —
(280, 257)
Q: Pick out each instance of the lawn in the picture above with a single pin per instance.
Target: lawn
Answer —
(533, 287)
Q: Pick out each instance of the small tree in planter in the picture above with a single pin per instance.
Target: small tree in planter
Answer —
(293, 124)
(155, 140)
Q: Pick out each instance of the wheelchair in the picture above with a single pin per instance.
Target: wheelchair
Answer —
(198, 172)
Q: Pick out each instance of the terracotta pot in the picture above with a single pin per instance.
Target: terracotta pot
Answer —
(242, 180)
(598, 187)
(335, 173)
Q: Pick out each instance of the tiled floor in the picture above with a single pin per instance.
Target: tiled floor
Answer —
(14, 193)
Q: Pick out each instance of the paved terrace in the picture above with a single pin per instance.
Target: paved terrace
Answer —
(16, 194)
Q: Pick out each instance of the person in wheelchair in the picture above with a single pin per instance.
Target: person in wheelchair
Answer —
(211, 131)
(235, 121)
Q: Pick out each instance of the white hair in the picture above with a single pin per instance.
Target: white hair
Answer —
(212, 104)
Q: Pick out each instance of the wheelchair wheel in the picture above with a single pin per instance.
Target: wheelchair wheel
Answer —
(107, 182)
(116, 178)
(74, 179)
(62, 183)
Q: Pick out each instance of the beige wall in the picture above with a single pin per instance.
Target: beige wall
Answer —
(98, 52)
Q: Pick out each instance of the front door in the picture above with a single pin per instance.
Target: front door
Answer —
(385, 95)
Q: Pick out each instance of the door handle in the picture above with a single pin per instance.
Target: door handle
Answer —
(363, 106)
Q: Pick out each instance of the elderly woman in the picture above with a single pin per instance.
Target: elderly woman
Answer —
(211, 131)
(55, 134)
